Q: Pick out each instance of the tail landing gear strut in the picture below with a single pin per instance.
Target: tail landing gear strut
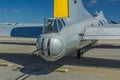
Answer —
(80, 53)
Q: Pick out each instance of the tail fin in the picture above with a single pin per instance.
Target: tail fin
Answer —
(61, 8)
(72, 11)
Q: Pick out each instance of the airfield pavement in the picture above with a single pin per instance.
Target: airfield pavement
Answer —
(102, 62)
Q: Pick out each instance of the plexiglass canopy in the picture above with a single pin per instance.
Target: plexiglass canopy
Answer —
(53, 25)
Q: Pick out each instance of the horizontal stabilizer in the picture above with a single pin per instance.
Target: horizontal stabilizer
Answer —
(102, 32)
(17, 40)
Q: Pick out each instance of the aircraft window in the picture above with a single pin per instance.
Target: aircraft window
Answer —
(63, 22)
(98, 24)
(101, 22)
(55, 28)
(50, 26)
(60, 25)
(104, 22)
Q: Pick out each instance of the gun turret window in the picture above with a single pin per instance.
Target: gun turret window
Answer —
(53, 25)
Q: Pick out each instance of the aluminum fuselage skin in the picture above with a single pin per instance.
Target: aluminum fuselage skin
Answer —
(54, 46)
(70, 37)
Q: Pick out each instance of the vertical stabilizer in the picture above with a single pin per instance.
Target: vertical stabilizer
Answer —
(72, 11)
(61, 8)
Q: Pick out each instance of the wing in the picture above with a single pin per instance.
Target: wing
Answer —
(102, 32)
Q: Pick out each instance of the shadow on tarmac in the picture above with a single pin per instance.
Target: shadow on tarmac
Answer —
(34, 65)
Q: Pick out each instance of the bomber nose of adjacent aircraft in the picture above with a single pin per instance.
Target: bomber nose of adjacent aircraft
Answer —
(51, 49)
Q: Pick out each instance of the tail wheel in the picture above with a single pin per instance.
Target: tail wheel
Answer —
(80, 53)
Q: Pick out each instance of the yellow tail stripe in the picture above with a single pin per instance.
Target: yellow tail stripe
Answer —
(61, 8)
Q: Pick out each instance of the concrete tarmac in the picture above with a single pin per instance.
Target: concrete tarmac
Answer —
(102, 62)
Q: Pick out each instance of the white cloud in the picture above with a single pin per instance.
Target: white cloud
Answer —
(92, 2)
(16, 11)
(12, 10)
(5, 10)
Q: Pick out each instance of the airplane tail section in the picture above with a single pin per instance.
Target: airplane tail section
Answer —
(72, 11)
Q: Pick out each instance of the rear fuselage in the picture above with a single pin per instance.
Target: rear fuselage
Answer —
(69, 39)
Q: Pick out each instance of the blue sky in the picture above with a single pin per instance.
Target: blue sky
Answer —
(35, 10)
